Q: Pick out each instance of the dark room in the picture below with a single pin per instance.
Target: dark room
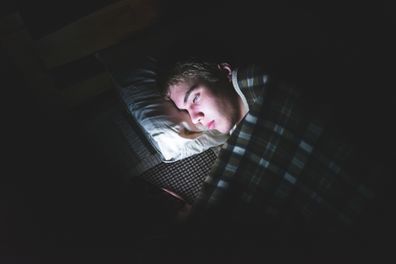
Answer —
(122, 143)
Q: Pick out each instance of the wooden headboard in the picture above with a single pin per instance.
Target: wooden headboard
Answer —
(46, 62)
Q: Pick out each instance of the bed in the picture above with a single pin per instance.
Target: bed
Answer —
(151, 128)
(65, 65)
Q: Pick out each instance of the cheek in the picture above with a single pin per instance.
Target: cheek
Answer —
(222, 107)
(215, 108)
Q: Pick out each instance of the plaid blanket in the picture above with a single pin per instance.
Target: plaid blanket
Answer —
(283, 172)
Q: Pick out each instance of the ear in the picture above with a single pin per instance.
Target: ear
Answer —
(226, 67)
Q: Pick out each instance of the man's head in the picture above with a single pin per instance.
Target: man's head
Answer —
(205, 91)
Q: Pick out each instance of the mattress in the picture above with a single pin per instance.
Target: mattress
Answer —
(183, 177)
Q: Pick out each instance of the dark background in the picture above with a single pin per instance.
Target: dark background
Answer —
(59, 196)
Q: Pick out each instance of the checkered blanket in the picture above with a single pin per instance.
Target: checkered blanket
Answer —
(283, 170)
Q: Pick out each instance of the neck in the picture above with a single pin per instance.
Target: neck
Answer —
(243, 110)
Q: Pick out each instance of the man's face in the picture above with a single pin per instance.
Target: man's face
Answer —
(204, 107)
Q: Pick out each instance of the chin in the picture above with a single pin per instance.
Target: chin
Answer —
(225, 126)
(224, 130)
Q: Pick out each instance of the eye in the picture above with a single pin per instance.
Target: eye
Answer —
(196, 98)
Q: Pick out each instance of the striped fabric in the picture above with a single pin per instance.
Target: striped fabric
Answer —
(281, 170)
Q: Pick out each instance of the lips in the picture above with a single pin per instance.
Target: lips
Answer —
(211, 125)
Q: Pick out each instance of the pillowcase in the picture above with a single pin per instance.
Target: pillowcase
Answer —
(163, 124)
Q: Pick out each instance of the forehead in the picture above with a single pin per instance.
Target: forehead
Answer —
(178, 91)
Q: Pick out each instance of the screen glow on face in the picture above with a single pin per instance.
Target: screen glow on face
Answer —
(204, 107)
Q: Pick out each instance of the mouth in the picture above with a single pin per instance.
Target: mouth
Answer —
(211, 125)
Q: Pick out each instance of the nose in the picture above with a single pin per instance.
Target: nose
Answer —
(196, 116)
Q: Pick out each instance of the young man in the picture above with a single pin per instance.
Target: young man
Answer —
(207, 93)
(281, 174)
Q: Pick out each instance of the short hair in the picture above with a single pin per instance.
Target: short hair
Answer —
(194, 70)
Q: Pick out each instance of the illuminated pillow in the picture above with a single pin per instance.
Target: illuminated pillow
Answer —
(169, 130)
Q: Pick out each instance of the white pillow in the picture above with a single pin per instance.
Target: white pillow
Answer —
(161, 121)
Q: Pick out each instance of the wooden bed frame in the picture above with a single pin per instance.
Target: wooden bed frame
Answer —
(79, 40)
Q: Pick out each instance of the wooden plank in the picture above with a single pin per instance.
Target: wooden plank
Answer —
(10, 23)
(97, 31)
(18, 44)
(80, 93)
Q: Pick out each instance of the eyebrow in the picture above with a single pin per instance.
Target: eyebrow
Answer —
(192, 88)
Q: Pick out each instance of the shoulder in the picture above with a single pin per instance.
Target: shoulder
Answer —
(251, 75)
(253, 81)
